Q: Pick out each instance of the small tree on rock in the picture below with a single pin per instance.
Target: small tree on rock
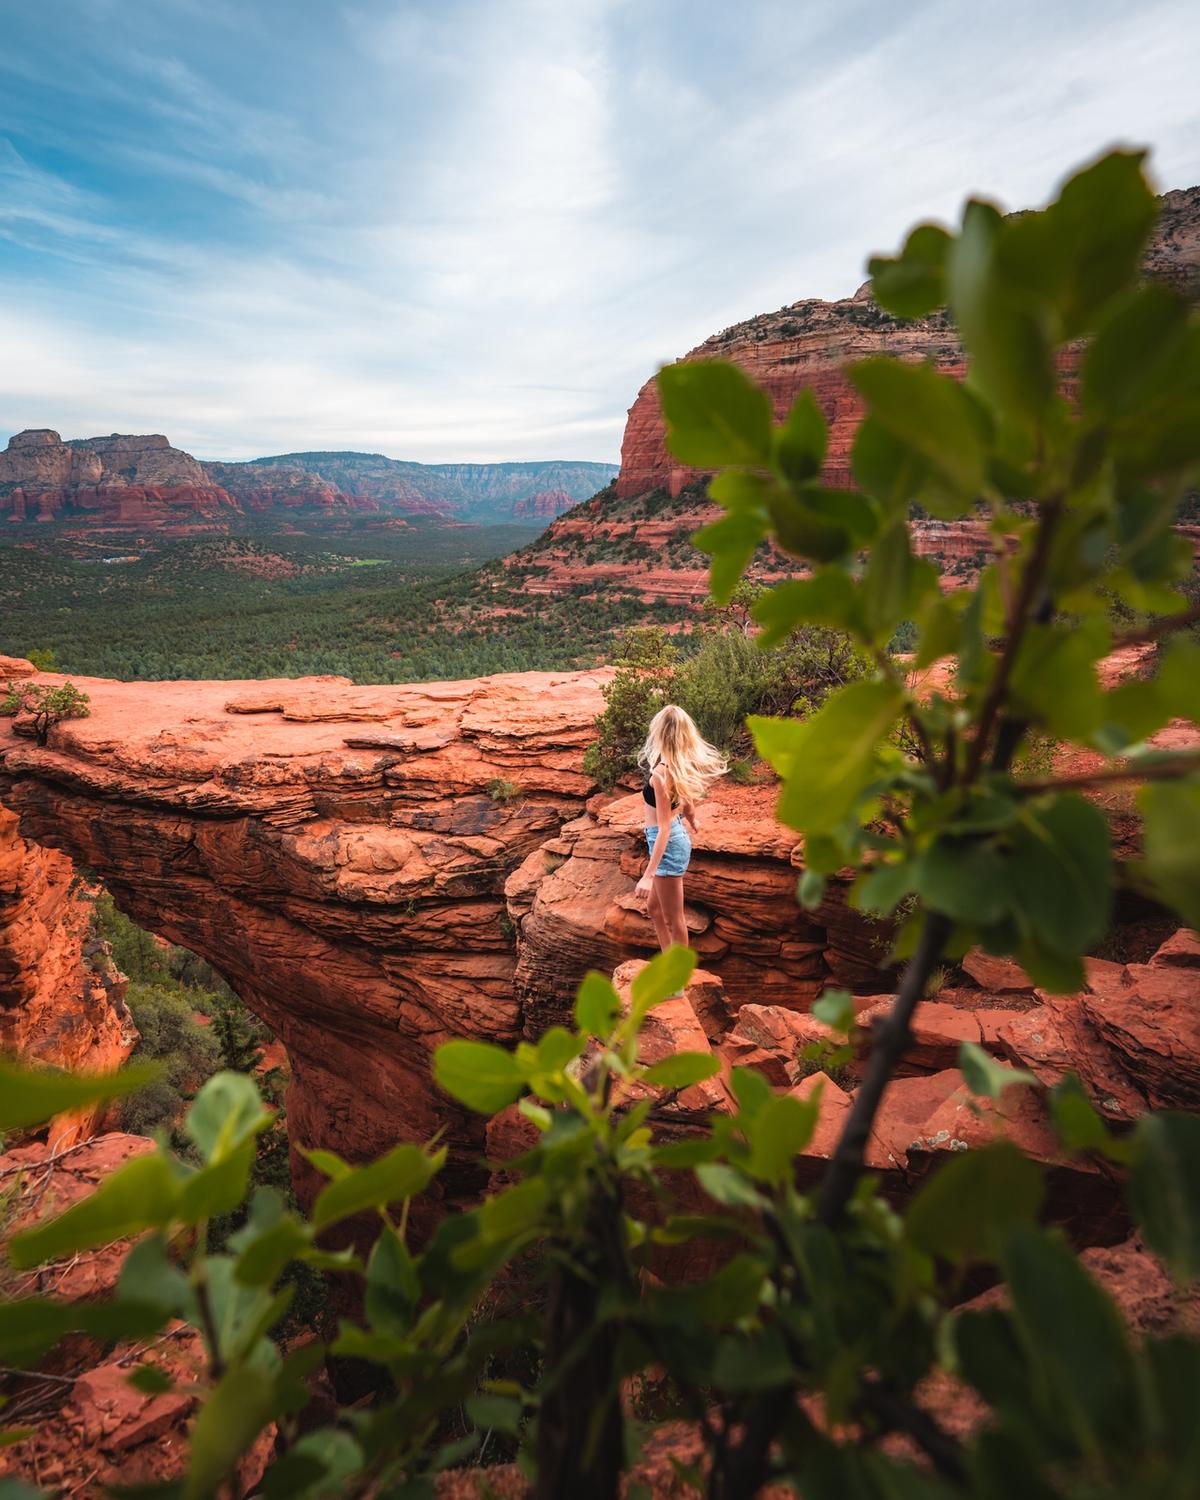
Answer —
(45, 705)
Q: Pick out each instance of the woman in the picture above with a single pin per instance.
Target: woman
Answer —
(680, 767)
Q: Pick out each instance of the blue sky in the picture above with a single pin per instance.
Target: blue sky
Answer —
(470, 229)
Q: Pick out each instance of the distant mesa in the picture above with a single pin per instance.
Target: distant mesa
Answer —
(127, 482)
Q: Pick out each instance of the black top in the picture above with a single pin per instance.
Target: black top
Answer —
(648, 795)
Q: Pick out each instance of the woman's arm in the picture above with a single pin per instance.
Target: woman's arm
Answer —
(662, 806)
(687, 811)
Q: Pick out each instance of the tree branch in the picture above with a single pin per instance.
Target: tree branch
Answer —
(846, 1164)
(1156, 629)
(1158, 770)
(1031, 582)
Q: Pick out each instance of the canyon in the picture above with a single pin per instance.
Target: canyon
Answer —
(126, 484)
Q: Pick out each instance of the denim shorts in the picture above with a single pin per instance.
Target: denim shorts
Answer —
(678, 851)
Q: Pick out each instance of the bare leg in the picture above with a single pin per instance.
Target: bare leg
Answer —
(669, 890)
(655, 912)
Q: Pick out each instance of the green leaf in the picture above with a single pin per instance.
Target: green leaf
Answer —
(966, 879)
(800, 443)
(556, 1048)
(239, 1407)
(218, 1188)
(662, 977)
(508, 1215)
(807, 527)
(143, 1194)
(827, 759)
(895, 581)
(405, 1171)
(480, 1075)
(984, 1075)
(1054, 679)
(1171, 838)
(912, 284)
(751, 1091)
(1164, 1190)
(836, 1009)
(150, 1380)
(1078, 1125)
(752, 1362)
(681, 1070)
(1076, 1343)
(393, 1286)
(1086, 247)
(1134, 349)
(883, 887)
(974, 1198)
(728, 1186)
(810, 889)
(830, 598)
(931, 413)
(596, 1005)
(1060, 872)
(31, 1326)
(941, 631)
(885, 466)
(715, 414)
(264, 1258)
(226, 1112)
(498, 1413)
(732, 542)
(1001, 328)
(30, 1096)
(777, 1134)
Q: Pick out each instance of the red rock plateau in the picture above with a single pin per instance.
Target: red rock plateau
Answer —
(633, 541)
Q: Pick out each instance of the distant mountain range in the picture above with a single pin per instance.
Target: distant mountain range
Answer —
(125, 482)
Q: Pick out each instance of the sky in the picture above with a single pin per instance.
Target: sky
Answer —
(471, 229)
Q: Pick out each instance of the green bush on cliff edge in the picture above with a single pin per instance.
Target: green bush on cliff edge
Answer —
(805, 1358)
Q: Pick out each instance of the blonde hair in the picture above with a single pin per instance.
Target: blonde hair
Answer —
(675, 742)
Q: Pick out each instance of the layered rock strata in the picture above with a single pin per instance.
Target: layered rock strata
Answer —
(62, 999)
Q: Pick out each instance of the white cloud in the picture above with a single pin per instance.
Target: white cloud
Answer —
(472, 229)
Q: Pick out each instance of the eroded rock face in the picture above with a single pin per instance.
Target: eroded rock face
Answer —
(338, 853)
(127, 481)
(62, 1000)
(807, 343)
(573, 902)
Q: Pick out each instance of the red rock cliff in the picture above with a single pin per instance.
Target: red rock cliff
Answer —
(807, 343)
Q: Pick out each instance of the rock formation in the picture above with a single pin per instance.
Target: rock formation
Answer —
(61, 996)
(807, 343)
(126, 482)
(637, 538)
(377, 869)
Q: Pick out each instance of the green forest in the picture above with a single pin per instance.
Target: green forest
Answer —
(410, 608)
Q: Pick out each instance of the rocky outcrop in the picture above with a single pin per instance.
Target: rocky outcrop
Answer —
(62, 999)
(481, 493)
(338, 853)
(543, 506)
(807, 343)
(572, 901)
(129, 483)
(123, 482)
(636, 538)
(376, 869)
